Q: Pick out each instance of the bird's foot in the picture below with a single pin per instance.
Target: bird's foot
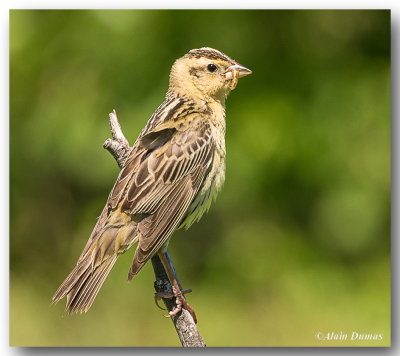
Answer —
(180, 302)
(160, 295)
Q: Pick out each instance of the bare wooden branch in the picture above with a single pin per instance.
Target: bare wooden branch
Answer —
(118, 145)
(184, 324)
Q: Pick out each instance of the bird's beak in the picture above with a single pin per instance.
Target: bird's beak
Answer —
(235, 72)
(242, 71)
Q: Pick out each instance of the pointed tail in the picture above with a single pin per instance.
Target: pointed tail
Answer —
(83, 284)
(94, 265)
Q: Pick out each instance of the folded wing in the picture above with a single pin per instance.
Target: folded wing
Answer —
(160, 181)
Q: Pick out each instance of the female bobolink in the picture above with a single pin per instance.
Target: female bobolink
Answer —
(173, 172)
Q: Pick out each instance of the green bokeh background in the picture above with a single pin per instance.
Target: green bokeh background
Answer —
(299, 239)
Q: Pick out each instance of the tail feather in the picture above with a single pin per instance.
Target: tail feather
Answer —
(110, 238)
(83, 284)
(81, 297)
(72, 279)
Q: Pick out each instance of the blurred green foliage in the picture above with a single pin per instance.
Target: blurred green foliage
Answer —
(299, 239)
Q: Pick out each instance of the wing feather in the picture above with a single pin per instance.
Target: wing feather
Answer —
(164, 172)
(162, 183)
(160, 225)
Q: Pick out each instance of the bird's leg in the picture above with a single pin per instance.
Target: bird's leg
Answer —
(177, 292)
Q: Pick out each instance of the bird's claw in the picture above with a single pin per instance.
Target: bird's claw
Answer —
(157, 297)
(180, 303)
(160, 295)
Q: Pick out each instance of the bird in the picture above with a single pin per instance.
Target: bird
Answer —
(174, 171)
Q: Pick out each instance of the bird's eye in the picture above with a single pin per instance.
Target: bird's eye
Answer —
(212, 67)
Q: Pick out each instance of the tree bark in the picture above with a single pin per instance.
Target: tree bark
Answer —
(184, 324)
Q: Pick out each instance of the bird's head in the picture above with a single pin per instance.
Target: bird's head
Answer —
(206, 73)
